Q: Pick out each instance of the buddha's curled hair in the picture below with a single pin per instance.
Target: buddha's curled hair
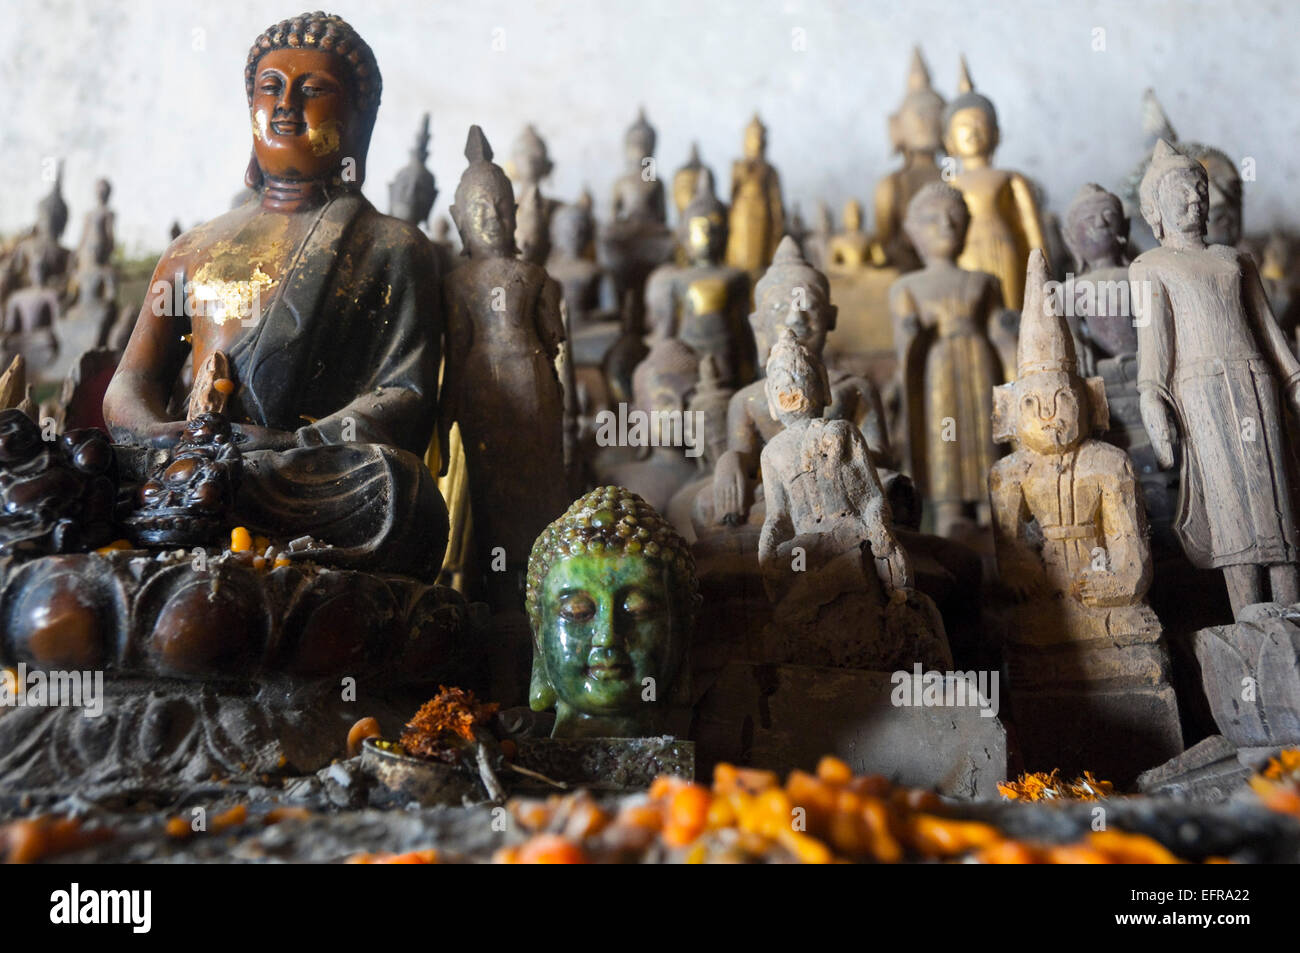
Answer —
(612, 521)
(331, 34)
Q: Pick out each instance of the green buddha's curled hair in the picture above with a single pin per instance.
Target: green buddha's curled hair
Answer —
(612, 521)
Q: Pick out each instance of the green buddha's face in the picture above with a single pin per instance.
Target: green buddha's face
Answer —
(610, 640)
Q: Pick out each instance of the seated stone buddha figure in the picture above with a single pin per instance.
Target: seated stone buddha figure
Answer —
(327, 311)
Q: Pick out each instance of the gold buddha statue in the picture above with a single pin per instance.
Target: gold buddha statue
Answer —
(1004, 220)
(757, 220)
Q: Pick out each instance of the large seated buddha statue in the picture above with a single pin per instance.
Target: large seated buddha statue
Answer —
(312, 323)
(326, 310)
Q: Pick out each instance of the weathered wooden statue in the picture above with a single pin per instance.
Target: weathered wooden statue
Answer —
(1103, 320)
(592, 327)
(1004, 218)
(916, 132)
(1089, 671)
(947, 364)
(757, 220)
(503, 332)
(827, 541)
(670, 444)
(1216, 376)
(794, 295)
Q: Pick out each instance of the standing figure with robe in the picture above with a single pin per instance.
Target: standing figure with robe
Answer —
(1217, 376)
(947, 363)
(1004, 218)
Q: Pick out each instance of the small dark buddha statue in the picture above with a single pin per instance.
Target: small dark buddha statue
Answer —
(327, 310)
(43, 245)
(57, 497)
(592, 328)
(412, 193)
(504, 332)
(612, 598)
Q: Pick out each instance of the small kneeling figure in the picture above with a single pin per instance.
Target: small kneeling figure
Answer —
(1090, 674)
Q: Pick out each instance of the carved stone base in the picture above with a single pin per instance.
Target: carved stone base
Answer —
(219, 618)
(160, 737)
(1251, 674)
(784, 717)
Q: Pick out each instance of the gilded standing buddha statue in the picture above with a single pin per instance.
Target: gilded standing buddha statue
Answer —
(1004, 219)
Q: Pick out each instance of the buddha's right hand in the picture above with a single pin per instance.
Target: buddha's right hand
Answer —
(1159, 427)
(728, 489)
(163, 434)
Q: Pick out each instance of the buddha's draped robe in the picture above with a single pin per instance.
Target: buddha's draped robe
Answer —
(346, 357)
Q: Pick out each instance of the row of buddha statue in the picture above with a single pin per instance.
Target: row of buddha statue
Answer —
(834, 429)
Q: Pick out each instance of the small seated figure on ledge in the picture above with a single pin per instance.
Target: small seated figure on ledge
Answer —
(827, 551)
(612, 599)
(327, 310)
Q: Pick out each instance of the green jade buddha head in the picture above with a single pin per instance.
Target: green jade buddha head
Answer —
(612, 597)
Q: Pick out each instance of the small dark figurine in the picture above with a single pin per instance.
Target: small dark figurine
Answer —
(187, 500)
(57, 496)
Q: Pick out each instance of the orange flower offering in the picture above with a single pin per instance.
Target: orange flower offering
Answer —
(1278, 785)
(446, 723)
(1040, 786)
(828, 816)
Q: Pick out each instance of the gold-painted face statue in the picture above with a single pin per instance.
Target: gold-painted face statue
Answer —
(972, 133)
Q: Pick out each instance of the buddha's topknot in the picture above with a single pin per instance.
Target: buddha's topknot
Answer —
(321, 31)
(611, 521)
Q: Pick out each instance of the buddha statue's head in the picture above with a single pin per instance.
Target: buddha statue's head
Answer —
(703, 229)
(573, 227)
(1174, 194)
(103, 189)
(792, 294)
(755, 139)
(611, 596)
(1048, 409)
(936, 222)
(796, 383)
(918, 124)
(313, 91)
(639, 141)
(484, 211)
(970, 123)
(412, 193)
(663, 383)
(1223, 218)
(1096, 228)
(530, 161)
